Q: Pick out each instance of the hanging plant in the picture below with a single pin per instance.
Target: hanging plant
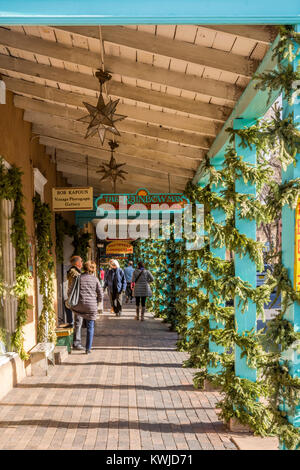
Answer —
(81, 244)
(62, 228)
(11, 189)
(45, 270)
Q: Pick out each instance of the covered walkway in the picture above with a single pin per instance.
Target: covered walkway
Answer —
(130, 393)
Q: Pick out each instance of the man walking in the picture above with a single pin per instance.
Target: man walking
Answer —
(128, 271)
(73, 272)
(116, 284)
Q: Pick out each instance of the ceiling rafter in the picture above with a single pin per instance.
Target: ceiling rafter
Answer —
(119, 65)
(135, 113)
(132, 147)
(67, 118)
(147, 42)
(65, 159)
(79, 80)
(264, 34)
(46, 138)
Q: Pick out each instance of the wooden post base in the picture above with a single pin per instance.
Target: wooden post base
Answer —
(235, 426)
(209, 387)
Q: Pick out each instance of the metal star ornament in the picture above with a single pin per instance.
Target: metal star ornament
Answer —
(102, 118)
(112, 170)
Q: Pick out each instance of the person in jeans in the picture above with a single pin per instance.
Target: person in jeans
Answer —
(116, 284)
(89, 295)
(128, 271)
(73, 272)
(140, 283)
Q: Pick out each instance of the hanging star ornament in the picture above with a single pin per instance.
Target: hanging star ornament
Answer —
(102, 118)
(112, 170)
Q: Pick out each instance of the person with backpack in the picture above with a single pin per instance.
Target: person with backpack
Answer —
(116, 284)
(90, 293)
(141, 289)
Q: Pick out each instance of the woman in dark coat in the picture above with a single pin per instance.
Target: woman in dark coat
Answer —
(140, 281)
(90, 294)
(116, 284)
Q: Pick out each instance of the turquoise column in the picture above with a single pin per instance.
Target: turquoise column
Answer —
(202, 183)
(219, 217)
(244, 267)
(292, 356)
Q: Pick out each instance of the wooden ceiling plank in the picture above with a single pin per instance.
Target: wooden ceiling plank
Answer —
(74, 161)
(170, 48)
(133, 172)
(75, 55)
(66, 141)
(133, 112)
(74, 79)
(66, 116)
(260, 33)
(122, 187)
(179, 165)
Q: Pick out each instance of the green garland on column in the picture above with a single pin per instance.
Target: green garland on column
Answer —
(80, 241)
(11, 189)
(242, 398)
(45, 270)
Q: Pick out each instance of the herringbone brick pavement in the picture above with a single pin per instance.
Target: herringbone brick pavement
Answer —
(130, 393)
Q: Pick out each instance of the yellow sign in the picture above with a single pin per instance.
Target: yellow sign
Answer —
(119, 247)
(72, 199)
(297, 249)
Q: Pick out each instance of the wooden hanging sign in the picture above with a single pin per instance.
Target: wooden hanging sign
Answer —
(70, 199)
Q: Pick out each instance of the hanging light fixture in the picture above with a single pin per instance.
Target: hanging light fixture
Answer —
(102, 118)
(112, 170)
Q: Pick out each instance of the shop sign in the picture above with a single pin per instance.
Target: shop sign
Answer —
(297, 249)
(70, 199)
(119, 247)
(143, 196)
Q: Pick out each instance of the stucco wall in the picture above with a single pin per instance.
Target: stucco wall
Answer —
(17, 146)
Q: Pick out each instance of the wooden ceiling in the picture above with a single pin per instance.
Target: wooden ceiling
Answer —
(177, 85)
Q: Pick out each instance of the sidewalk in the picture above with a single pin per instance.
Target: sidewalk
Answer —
(130, 393)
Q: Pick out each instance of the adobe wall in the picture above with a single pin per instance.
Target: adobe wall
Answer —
(18, 147)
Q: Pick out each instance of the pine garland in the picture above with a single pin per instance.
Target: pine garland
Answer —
(11, 189)
(45, 270)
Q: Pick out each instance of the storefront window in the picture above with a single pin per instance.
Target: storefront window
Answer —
(8, 304)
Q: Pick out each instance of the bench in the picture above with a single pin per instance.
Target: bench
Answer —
(39, 357)
(64, 337)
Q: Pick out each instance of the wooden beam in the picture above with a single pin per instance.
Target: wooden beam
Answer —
(196, 54)
(89, 82)
(120, 65)
(78, 160)
(103, 155)
(66, 118)
(176, 165)
(141, 179)
(124, 188)
(260, 33)
(133, 146)
(135, 113)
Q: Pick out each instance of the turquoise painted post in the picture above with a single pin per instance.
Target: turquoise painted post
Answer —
(244, 267)
(292, 355)
(202, 183)
(219, 217)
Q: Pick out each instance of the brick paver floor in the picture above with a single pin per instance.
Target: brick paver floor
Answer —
(129, 393)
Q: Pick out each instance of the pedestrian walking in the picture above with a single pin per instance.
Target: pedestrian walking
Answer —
(128, 271)
(141, 288)
(116, 284)
(72, 273)
(89, 295)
